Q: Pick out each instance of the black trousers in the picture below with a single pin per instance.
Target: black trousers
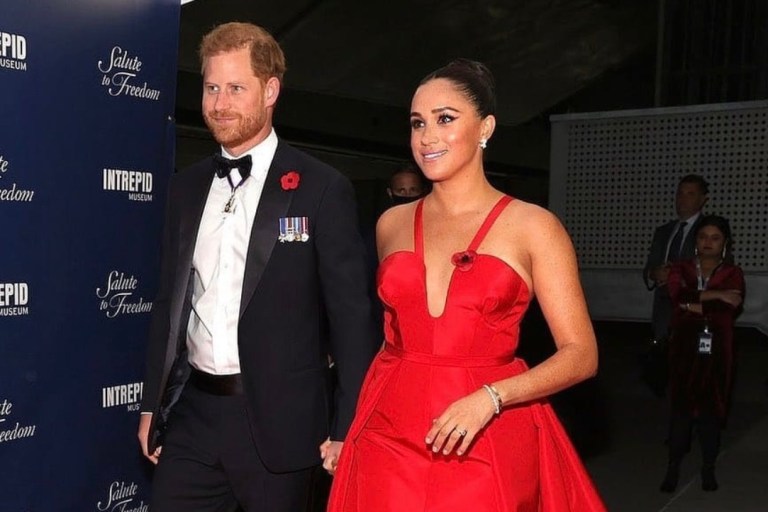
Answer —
(209, 462)
(680, 430)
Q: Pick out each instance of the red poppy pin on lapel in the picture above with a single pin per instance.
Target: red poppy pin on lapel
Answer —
(290, 180)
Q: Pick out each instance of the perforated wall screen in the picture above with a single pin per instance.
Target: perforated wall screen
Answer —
(618, 173)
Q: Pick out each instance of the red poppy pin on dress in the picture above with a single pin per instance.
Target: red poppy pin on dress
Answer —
(464, 260)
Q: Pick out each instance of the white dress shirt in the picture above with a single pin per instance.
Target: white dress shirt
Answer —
(219, 264)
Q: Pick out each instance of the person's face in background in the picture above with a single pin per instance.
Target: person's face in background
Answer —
(710, 242)
(237, 104)
(689, 200)
(405, 187)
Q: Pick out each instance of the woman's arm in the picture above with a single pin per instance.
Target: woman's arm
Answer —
(552, 268)
(555, 281)
(727, 296)
(682, 295)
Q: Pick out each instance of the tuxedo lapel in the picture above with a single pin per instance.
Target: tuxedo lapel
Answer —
(273, 205)
(195, 192)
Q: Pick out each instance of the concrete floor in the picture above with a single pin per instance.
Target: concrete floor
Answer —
(619, 427)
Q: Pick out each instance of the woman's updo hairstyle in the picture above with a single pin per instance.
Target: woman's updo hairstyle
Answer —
(471, 78)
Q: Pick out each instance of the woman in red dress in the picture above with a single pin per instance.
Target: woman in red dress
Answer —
(707, 292)
(449, 419)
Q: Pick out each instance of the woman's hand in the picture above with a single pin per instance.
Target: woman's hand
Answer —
(460, 423)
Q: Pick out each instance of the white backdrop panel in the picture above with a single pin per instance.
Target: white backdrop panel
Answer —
(612, 181)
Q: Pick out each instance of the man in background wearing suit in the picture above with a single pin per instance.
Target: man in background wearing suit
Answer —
(262, 279)
(671, 242)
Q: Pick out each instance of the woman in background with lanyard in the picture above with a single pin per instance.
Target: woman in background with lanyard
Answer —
(707, 292)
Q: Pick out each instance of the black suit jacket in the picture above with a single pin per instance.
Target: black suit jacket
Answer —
(301, 301)
(662, 306)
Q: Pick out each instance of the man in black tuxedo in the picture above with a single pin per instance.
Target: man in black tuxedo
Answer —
(262, 281)
(671, 242)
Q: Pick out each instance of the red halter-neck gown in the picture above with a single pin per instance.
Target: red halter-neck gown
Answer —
(522, 460)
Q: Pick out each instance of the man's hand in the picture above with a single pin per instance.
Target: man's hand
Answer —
(660, 274)
(330, 452)
(144, 422)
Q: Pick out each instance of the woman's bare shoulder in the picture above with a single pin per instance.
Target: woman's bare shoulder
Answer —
(395, 216)
(524, 217)
(395, 227)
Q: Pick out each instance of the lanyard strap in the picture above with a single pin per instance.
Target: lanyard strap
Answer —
(702, 281)
(228, 208)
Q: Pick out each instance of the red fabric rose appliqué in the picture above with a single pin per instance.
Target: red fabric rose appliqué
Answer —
(464, 260)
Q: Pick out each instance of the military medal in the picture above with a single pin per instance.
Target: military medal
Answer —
(294, 229)
(303, 228)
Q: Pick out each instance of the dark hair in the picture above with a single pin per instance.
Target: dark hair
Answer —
(722, 224)
(698, 180)
(407, 168)
(473, 79)
(719, 222)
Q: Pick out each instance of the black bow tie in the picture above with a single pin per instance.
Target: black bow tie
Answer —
(223, 165)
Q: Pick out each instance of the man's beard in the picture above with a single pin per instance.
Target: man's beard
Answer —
(245, 129)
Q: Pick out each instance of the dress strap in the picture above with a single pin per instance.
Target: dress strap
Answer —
(488, 222)
(418, 230)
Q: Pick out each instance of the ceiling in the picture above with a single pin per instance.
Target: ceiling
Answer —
(353, 64)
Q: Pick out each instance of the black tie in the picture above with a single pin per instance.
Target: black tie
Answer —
(223, 165)
(676, 247)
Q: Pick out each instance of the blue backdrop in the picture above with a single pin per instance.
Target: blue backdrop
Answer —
(86, 148)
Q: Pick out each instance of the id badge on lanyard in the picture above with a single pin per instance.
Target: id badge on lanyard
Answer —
(705, 342)
(705, 337)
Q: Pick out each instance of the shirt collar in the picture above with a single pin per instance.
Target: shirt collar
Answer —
(690, 221)
(261, 155)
